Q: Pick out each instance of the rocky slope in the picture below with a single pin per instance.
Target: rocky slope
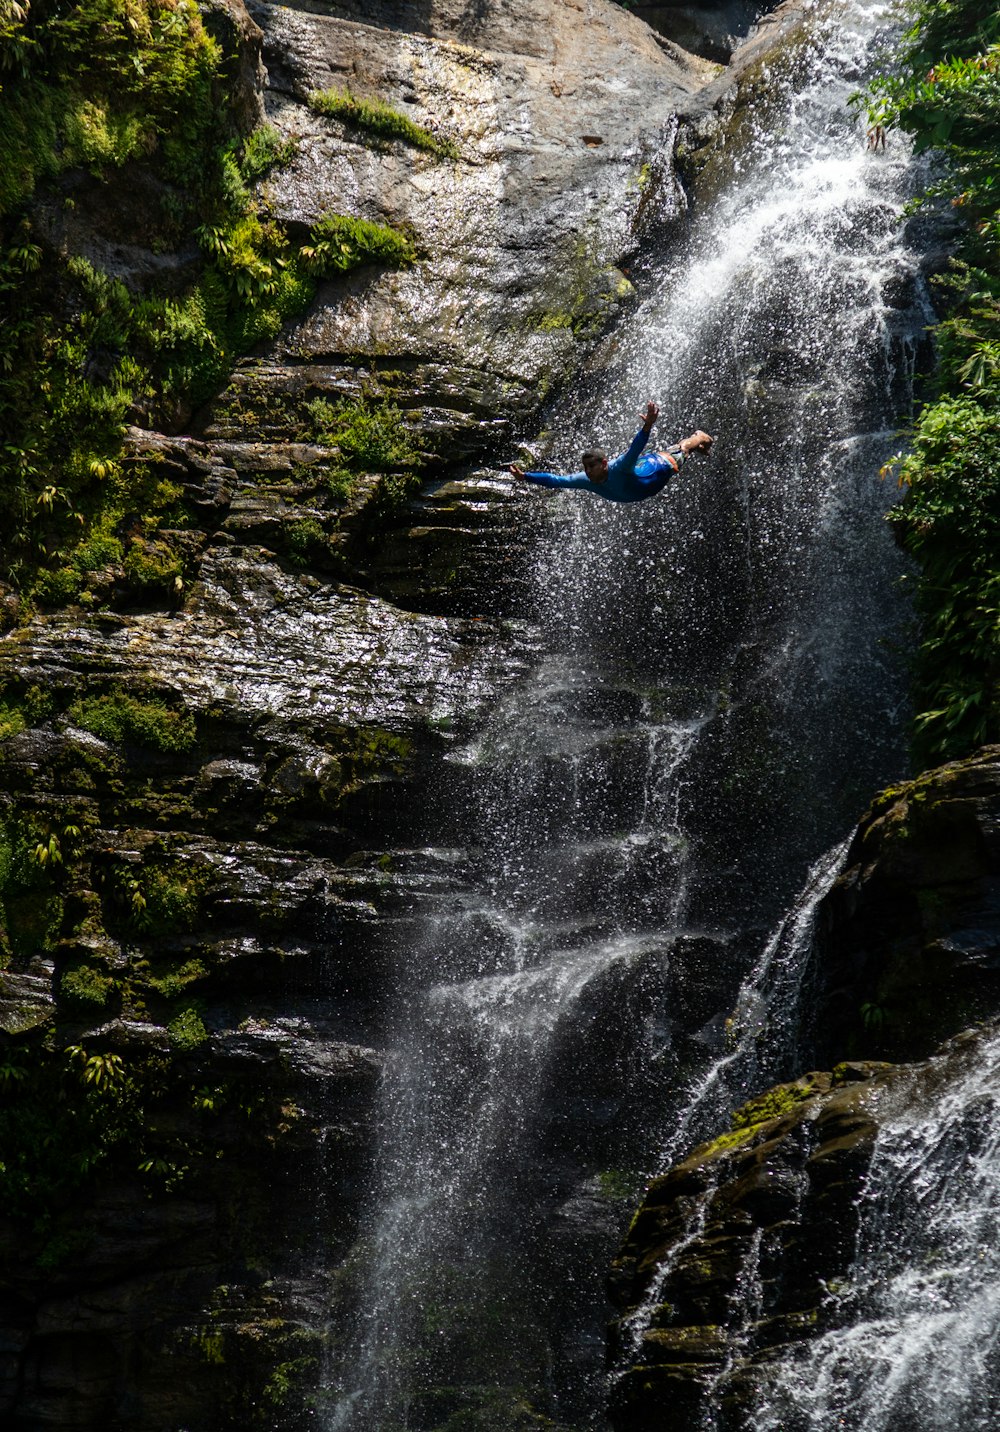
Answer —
(735, 1251)
(222, 785)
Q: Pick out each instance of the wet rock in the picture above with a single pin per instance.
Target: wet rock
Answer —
(520, 236)
(733, 1250)
(908, 940)
(257, 805)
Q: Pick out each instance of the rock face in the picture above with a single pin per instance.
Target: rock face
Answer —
(733, 1254)
(729, 1254)
(562, 118)
(737, 1254)
(908, 940)
(222, 808)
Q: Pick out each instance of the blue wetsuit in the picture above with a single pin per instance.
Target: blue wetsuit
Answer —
(631, 477)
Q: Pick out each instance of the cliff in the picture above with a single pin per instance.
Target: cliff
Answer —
(744, 1254)
(222, 760)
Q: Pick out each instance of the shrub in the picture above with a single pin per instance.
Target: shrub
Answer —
(369, 432)
(119, 717)
(186, 1030)
(944, 91)
(339, 243)
(86, 985)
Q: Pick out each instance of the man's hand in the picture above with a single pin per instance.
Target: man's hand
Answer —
(517, 471)
(697, 442)
(650, 416)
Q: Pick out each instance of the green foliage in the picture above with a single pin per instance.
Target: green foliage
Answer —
(186, 1030)
(32, 856)
(339, 243)
(946, 92)
(174, 983)
(100, 84)
(98, 550)
(86, 985)
(264, 150)
(81, 1113)
(152, 566)
(380, 120)
(369, 433)
(70, 1112)
(161, 900)
(118, 717)
(12, 721)
(305, 539)
(873, 1016)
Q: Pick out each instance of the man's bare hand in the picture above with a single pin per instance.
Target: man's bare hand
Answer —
(517, 471)
(697, 442)
(650, 416)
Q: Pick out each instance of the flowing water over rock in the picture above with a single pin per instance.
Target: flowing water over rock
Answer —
(918, 1318)
(718, 701)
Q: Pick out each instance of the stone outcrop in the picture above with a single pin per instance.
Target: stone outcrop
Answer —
(734, 1253)
(908, 939)
(561, 117)
(738, 1255)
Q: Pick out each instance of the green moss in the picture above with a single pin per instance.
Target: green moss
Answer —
(777, 1101)
(12, 721)
(56, 588)
(729, 1140)
(263, 150)
(172, 898)
(379, 120)
(21, 708)
(86, 985)
(755, 1113)
(186, 1030)
(174, 982)
(339, 243)
(100, 549)
(152, 567)
(370, 752)
(119, 717)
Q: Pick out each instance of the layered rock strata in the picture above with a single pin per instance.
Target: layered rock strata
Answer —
(735, 1253)
(222, 794)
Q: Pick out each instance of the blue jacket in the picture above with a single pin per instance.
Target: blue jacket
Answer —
(631, 477)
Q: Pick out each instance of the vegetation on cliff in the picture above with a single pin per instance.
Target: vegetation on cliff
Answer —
(946, 93)
(126, 111)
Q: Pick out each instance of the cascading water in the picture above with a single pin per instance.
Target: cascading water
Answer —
(715, 707)
(916, 1342)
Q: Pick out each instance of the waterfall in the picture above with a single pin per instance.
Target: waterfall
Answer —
(719, 697)
(763, 1044)
(916, 1339)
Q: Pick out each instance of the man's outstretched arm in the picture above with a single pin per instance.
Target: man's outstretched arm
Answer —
(551, 479)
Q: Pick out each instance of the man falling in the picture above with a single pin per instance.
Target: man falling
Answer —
(631, 476)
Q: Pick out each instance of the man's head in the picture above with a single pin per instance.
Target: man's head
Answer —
(595, 464)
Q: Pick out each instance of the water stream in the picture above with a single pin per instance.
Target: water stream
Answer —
(720, 697)
(917, 1336)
